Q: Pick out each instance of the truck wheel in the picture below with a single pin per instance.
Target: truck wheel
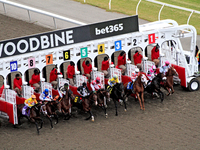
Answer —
(193, 85)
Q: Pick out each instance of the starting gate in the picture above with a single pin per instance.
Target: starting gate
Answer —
(62, 81)
(80, 79)
(27, 91)
(46, 85)
(99, 74)
(115, 71)
(130, 68)
(147, 65)
(8, 105)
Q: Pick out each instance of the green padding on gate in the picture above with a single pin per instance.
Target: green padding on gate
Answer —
(3, 106)
(10, 112)
(181, 73)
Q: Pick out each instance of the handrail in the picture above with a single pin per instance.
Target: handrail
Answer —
(174, 6)
(28, 8)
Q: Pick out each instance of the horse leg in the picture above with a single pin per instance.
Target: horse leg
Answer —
(142, 97)
(124, 105)
(115, 107)
(104, 108)
(172, 88)
(56, 117)
(138, 96)
(50, 121)
(161, 95)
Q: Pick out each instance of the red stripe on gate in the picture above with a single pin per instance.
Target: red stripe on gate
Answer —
(20, 100)
(181, 73)
(74, 90)
(10, 113)
(54, 92)
(3, 106)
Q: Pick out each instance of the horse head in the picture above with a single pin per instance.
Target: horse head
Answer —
(144, 79)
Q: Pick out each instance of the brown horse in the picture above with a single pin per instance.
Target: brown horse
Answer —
(34, 115)
(102, 97)
(168, 84)
(138, 88)
(52, 107)
(66, 104)
(85, 103)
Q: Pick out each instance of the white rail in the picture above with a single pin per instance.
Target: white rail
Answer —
(174, 6)
(31, 9)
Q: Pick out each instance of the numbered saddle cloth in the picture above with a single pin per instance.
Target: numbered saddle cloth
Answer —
(78, 99)
(130, 86)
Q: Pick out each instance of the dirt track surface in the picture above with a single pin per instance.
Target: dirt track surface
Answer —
(173, 124)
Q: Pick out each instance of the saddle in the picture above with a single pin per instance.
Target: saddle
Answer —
(130, 86)
(26, 111)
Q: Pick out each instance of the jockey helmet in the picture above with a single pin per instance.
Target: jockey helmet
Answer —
(137, 70)
(66, 85)
(167, 62)
(97, 79)
(46, 91)
(33, 96)
(115, 76)
(84, 84)
(153, 67)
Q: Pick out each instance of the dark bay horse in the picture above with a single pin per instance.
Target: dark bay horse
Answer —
(138, 88)
(168, 84)
(118, 93)
(85, 103)
(154, 86)
(102, 97)
(52, 108)
(34, 115)
(66, 104)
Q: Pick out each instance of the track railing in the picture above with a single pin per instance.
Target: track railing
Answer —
(31, 9)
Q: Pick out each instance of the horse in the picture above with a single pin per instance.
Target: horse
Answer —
(118, 93)
(128, 92)
(102, 97)
(34, 116)
(168, 84)
(66, 104)
(51, 108)
(85, 103)
(155, 86)
(138, 88)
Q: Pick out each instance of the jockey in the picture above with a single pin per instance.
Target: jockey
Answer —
(96, 85)
(28, 104)
(45, 96)
(152, 73)
(63, 89)
(83, 90)
(113, 81)
(165, 68)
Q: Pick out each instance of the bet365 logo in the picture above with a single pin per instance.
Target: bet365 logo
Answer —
(109, 29)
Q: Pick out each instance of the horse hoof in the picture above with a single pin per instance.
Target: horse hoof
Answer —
(125, 110)
(106, 106)
(92, 118)
(55, 123)
(116, 114)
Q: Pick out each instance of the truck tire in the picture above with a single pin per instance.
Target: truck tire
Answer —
(193, 85)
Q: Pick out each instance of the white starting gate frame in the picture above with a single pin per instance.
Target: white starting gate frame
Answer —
(147, 65)
(8, 99)
(62, 81)
(155, 32)
(80, 79)
(46, 85)
(99, 74)
(115, 71)
(27, 91)
(130, 68)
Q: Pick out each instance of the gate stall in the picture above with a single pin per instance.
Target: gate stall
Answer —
(8, 107)
(38, 51)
